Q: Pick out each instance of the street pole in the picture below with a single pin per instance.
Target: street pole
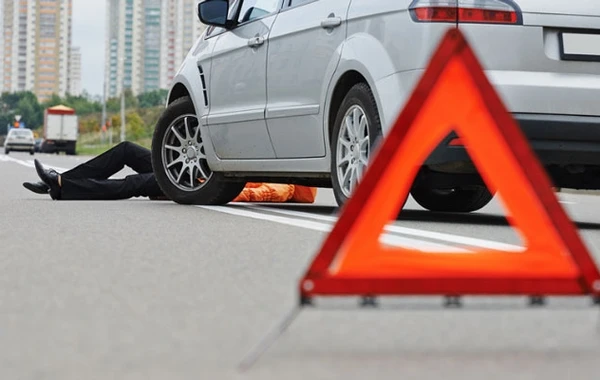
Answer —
(123, 114)
(104, 114)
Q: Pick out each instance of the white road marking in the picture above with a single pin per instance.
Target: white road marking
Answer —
(567, 202)
(390, 239)
(28, 163)
(57, 168)
(385, 238)
(6, 158)
(451, 238)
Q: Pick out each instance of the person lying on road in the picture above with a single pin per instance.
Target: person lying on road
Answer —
(91, 180)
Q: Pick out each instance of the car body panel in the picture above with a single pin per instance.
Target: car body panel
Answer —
(188, 77)
(381, 46)
(238, 97)
(533, 78)
(295, 79)
(559, 7)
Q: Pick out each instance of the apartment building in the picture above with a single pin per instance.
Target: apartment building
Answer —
(75, 72)
(36, 42)
(151, 49)
(181, 29)
(146, 42)
(2, 57)
(124, 46)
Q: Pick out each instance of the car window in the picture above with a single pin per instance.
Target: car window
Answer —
(21, 132)
(293, 3)
(253, 9)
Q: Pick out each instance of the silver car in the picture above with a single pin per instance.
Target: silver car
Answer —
(19, 139)
(301, 91)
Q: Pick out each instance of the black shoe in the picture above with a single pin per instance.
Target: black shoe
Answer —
(49, 177)
(37, 187)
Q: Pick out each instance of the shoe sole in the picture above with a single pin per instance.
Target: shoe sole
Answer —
(35, 189)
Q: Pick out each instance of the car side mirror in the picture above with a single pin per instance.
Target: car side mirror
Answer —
(214, 12)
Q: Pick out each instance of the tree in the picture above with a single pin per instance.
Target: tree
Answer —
(134, 126)
(114, 104)
(153, 98)
(89, 124)
(54, 100)
(24, 104)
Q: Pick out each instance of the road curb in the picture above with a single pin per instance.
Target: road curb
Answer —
(575, 191)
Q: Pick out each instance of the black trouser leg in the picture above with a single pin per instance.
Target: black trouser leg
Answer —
(137, 185)
(112, 161)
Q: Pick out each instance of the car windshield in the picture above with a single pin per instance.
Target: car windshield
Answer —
(21, 132)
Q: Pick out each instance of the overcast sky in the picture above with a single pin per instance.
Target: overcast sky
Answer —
(89, 34)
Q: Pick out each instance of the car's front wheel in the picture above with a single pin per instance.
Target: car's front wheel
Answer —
(179, 160)
(459, 199)
(356, 131)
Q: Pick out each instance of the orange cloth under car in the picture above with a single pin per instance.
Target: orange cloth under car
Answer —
(275, 192)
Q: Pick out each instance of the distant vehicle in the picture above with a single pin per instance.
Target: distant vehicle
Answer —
(61, 128)
(38, 144)
(19, 140)
(301, 91)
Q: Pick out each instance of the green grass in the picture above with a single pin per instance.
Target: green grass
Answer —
(90, 146)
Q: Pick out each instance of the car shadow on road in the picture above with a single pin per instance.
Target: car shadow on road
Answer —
(477, 218)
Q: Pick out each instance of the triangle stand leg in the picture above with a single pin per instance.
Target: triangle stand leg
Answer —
(596, 302)
(268, 340)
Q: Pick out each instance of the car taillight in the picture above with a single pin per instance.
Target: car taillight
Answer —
(466, 11)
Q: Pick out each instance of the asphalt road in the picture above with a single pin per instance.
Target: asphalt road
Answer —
(142, 289)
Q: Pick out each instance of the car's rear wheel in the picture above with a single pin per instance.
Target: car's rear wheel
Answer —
(356, 131)
(460, 199)
(179, 160)
(6, 151)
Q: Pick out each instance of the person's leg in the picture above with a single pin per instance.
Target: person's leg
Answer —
(112, 161)
(137, 185)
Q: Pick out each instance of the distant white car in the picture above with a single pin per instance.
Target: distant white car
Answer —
(19, 140)
(300, 91)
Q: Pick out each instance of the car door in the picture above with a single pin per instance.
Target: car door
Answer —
(237, 96)
(304, 51)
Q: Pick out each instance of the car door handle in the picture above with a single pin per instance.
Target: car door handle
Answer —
(256, 41)
(331, 22)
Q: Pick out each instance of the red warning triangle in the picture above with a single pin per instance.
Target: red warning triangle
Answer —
(453, 95)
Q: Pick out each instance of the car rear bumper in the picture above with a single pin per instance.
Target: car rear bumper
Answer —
(562, 140)
(16, 146)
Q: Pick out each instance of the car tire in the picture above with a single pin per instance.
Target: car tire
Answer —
(356, 148)
(6, 151)
(460, 199)
(180, 167)
(31, 152)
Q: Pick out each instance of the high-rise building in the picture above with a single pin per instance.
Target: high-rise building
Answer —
(146, 41)
(123, 46)
(36, 43)
(75, 72)
(151, 50)
(111, 65)
(2, 57)
(181, 28)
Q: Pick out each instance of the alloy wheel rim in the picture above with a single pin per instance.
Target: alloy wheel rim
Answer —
(353, 149)
(183, 154)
